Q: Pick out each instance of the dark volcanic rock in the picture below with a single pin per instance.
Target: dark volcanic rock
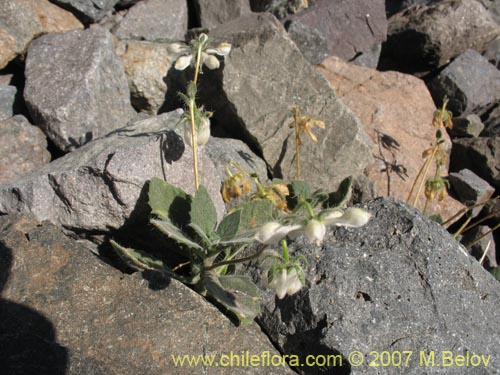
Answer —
(211, 13)
(470, 188)
(473, 86)
(480, 155)
(399, 283)
(350, 28)
(155, 21)
(425, 37)
(89, 11)
(76, 89)
(253, 93)
(23, 148)
(64, 311)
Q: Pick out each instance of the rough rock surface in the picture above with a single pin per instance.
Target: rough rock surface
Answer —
(395, 105)
(96, 188)
(253, 93)
(155, 21)
(396, 6)
(480, 155)
(492, 52)
(89, 11)
(64, 311)
(478, 248)
(23, 20)
(153, 83)
(211, 13)
(425, 37)
(473, 86)
(7, 98)
(399, 283)
(470, 188)
(84, 95)
(23, 148)
(349, 27)
(466, 126)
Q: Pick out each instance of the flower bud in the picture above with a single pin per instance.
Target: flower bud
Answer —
(315, 231)
(183, 62)
(210, 61)
(202, 134)
(352, 217)
(273, 232)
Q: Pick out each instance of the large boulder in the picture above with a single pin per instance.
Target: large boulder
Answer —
(154, 21)
(262, 79)
(425, 37)
(64, 311)
(395, 105)
(89, 11)
(349, 28)
(76, 89)
(23, 148)
(400, 284)
(21, 21)
(211, 13)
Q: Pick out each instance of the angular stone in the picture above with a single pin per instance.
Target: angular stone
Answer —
(473, 86)
(398, 106)
(470, 188)
(23, 20)
(211, 13)
(485, 245)
(480, 155)
(466, 126)
(154, 21)
(401, 282)
(253, 93)
(425, 37)
(23, 148)
(89, 11)
(97, 187)
(350, 28)
(7, 98)
(76, 89)
(63, 310)
(152, 81)
(492, 52)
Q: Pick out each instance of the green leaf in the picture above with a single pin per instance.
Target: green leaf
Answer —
(203, 212)
(237, 293)
(342, 195)
(168, 202)
(300, 189)
(254, 214)
(175, 233)
(138, 259)
(496, 272)
(229, 226)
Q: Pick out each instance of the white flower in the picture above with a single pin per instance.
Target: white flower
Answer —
(272, 232)
(315, 231)
(186, 54)
(352, 217)
(202, 133)
(293, 282)
(283, 282)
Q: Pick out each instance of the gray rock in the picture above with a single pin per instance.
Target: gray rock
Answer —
(349, 27)
(492, 52)
(211, 13)
(89, 11)
(253, 93)
(480, 155)
(6, 79)
(153, 83)
(155, 21)
(22, 21)
(494, 7)
(466, 126)
(369, 58)
(399, 283)
(473, 86)
(485, 244)
(76, 89)
(425, 37)
(310, 41)
(96, 188)
(396, 6)
(126, 3)
(470, 188)
(63, 310)
(23, 148)
(7, 98)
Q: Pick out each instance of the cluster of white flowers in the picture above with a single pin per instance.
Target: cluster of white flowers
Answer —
(186, 54)
(284, 282)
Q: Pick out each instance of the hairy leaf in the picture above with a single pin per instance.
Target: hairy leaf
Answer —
(203, 213)
(168, 202)
(254, 214)
(229, 226)
(175, 233)
(138, 259)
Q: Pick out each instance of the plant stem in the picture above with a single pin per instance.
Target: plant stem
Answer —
(485, 234)
(284, 247)
(427, 165)
(236, 261)
(193, 123)
(297, 140)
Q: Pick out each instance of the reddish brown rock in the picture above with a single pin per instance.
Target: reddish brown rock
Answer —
(397, 105)
(23, 20)
(23, 148)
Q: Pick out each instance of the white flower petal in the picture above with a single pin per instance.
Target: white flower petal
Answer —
(177, 48)
(279, 283)
(293, 282)
(352, 217)
(315, 231)
(183, 62)
(222, 49)
(330, 215)
(203, 134)
(272, 232)
(187, 133)
(211, 62)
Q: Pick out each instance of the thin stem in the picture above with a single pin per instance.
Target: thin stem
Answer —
(426, 171)
(487, 233)
(284, 247)
(467, 209)
(297, 140)
(485, 253)
(194, 145)
(459, 231)
(308, 208)
(479, 222)
(236, 261)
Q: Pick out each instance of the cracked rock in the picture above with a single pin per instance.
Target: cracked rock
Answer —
(253, 93)
(76, 88)
(399, 283)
